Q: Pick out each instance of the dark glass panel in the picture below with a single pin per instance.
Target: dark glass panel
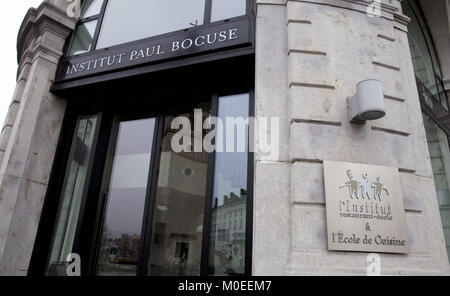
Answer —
(72, 193)
(440, 162)
(82, 39)
(126, 21)
(125, 187)
(179, 205)
(225, 9)
(91, 8)
(227, 249)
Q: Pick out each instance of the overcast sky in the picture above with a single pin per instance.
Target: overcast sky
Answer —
(10, 23)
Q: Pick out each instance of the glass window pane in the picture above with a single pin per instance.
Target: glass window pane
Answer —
(225, 9)
(126, 21)
(72, 194)
(125, 186)
(440, 162)
(421, 57)
(227, 249)
(91, 7)
(177, 229)
(82, 38)
(412, 6)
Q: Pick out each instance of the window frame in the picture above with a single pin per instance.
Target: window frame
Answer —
(86, 236)
(53, 197)
(436, 113)
(101, 94)
(434, 120)
(100, 16)
(147, 233)
(97, 17)
(415, 7)
(85, 185)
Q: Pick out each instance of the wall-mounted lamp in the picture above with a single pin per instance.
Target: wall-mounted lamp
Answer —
(368, 103)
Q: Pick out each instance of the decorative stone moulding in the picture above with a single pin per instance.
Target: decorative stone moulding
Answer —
(43, 30)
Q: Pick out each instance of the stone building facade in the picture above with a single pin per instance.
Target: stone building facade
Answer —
(316, 53)
(308, 58)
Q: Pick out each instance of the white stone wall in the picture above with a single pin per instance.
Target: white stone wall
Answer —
(309, 57)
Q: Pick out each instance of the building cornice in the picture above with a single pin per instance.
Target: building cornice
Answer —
(388, 10)
(37, 22)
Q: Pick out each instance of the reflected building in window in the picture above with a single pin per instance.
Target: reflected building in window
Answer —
(178, 215)
(228, 224)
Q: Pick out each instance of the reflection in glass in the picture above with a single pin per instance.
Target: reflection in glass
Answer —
(126, 21)
(422, 57)
(82, 39)
(440, 162)
(91, 8)
(72, 194)
(124, 186)
(179, 205)
(227, 248)
(225, 9)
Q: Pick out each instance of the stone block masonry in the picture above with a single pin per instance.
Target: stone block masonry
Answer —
(309, 57)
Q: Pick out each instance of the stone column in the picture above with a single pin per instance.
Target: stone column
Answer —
(12, 111)
(30, 136)
(272, 207)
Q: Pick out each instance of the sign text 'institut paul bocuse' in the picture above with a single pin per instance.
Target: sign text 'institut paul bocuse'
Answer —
(364, 206)
(184, 43)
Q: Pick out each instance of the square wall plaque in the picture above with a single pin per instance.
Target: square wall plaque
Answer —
(364, 206)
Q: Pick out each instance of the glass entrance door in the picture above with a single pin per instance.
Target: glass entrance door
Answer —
(155, 197)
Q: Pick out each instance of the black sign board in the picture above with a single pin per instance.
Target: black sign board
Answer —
(193, 41)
